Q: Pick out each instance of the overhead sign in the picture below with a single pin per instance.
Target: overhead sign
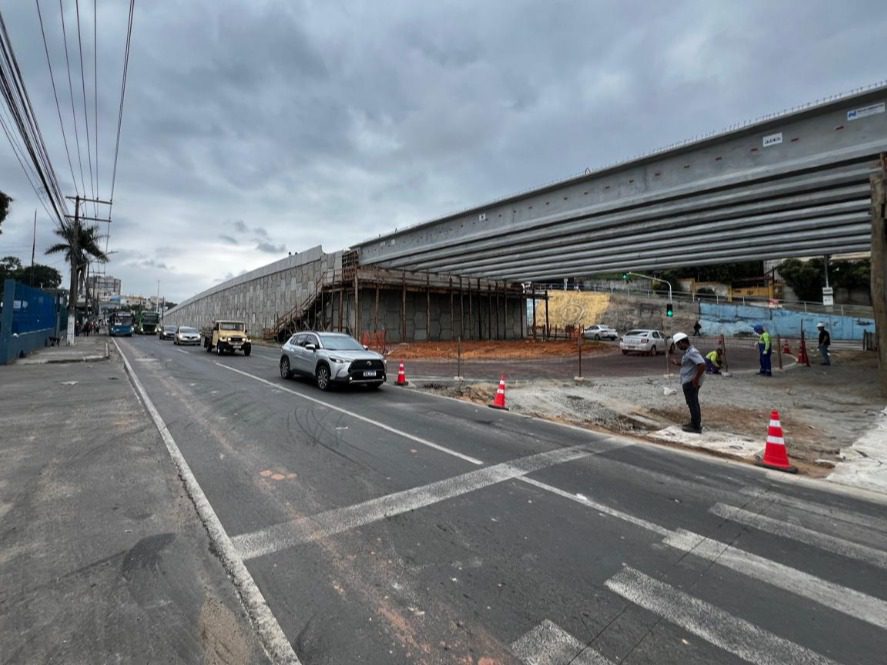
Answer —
(866, 111)
(772, 139)
(828, 296)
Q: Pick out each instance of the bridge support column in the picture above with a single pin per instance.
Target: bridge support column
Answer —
(879, 268)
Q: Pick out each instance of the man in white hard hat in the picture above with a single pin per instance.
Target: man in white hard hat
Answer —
(824, 341)
(692, 366)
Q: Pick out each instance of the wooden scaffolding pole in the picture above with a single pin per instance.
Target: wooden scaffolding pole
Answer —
(461, 310)
(452, 314)
(403, 307)
(879, 268)
(428, 306)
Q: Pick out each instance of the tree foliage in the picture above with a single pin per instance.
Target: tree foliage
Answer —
(39, 275)
(4, 208)
(806, 278)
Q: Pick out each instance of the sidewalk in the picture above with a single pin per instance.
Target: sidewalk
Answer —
(103, 557)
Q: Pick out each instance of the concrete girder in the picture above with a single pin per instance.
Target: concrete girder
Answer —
(708, 258)
(790, 220)
(634, 208)
(549, 238)
(826, 186)
(697, 254)
(738, 230)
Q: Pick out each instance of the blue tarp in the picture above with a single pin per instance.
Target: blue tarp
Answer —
(732, 319)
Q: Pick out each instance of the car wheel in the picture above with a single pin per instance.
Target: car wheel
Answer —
(322, 374)
(375, 386)
(218, 349)
(285, 372)
(597, 338)
(624, 352)
(248, 350)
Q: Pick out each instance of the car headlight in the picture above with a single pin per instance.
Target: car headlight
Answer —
(338, 361)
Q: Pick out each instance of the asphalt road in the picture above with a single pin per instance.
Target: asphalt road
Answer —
(393, 526)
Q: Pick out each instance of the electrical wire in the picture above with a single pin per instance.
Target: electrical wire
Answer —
(55, 95)
(71, 91)
(95, 92)
(85, 105)
(22, 114)
(122, 95)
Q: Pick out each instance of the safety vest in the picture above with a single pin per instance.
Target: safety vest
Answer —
(765, 340)
(713, 356)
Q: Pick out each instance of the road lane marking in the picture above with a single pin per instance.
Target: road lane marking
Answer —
(411, 437)
(307, 529)
(274, 640)
(823, 541)
(599, 507)
(839, 598)
(867, 522)
(549, 644)
(737, 636)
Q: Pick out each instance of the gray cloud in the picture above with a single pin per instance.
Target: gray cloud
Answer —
(252, 127)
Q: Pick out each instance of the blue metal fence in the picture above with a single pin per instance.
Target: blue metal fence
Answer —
(28, 319)
(739, 319)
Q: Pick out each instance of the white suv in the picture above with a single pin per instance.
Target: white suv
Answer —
(331, 358)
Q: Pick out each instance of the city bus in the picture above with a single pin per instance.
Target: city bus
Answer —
(120, 324)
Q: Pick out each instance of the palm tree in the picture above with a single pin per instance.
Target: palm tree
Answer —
(79, 244)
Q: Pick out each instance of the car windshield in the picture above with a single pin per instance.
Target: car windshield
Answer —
(633, 333)
(186, 330)
(169, 328)
(230, 325)
(340, 343)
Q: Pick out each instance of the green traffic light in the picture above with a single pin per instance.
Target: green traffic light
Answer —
(669, 310)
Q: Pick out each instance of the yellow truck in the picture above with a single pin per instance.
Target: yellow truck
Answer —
(225, 336)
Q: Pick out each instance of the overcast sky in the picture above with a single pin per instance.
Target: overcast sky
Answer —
(256, 128)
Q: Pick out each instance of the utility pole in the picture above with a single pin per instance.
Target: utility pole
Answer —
(33, 250)
(75, 259)
(879, 267)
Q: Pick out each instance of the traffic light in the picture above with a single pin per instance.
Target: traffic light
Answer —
(669, 310)
(626, 276)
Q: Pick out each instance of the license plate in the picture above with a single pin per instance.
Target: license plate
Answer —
(235, 346)
(370, 372)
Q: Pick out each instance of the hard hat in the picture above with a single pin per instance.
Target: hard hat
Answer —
(678, 337)
(820, 325)
(759, 328)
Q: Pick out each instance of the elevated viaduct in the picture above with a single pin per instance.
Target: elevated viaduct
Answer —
(795, 184)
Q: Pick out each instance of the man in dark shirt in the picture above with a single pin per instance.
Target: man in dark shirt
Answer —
(692, 367)
(824, 341)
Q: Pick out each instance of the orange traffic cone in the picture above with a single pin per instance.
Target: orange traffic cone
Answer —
(802, 354)
(775, 453)
(401, 377)
(786, 348)
(499, 400)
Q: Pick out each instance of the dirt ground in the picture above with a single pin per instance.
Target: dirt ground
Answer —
(822, 409)
(498, 350)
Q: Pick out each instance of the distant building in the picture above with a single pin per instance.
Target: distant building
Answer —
(104, 287)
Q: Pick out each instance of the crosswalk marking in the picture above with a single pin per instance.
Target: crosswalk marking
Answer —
(849, 601)
(867, 522)
(549, 644)
(280, 536)
(823, 541)
(733, 634)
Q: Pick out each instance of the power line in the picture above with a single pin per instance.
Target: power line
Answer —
(55, 95)
(85, 105)
(95, 91)
(22, 113)
(71, 90)
(122, 95)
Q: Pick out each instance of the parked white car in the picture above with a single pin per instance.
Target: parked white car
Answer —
(599, 331)
(645, 341)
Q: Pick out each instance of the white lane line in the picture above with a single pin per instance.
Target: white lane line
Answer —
(287, 534)
(599, 507)
(848, 601)
(374, 423)
(273, 638)
(737, 636)
(182, 351)
(867, 522)
(823, 541)
(549, 644)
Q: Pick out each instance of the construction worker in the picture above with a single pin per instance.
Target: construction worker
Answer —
(692, 370)
(765, 348)
(824, 341)
(714, 360)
